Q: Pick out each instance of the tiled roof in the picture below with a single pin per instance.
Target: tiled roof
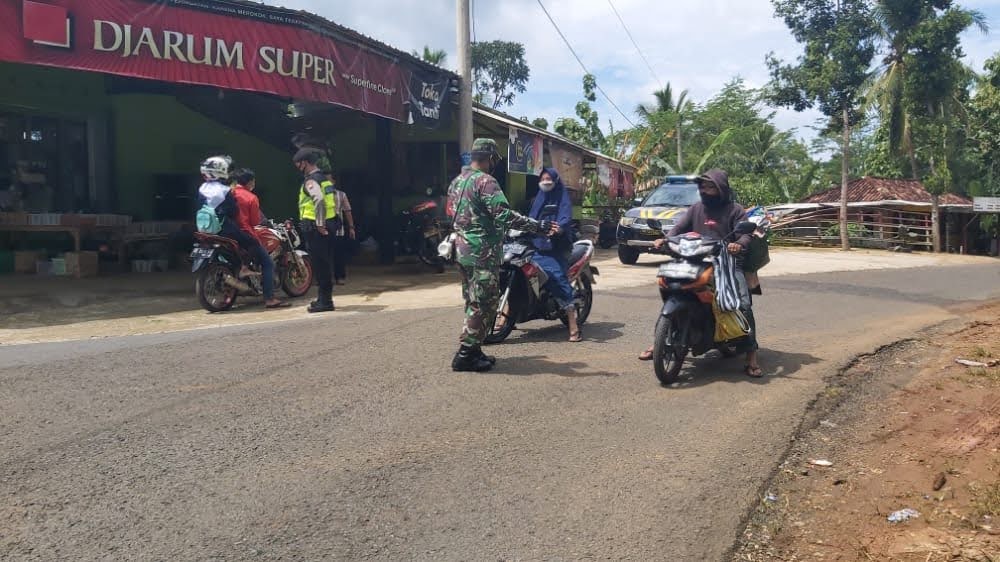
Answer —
(868, 190)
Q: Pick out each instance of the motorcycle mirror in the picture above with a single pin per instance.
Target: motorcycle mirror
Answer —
(745, 227)
(654, 224)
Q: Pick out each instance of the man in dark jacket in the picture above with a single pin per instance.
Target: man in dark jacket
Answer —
(716, 216)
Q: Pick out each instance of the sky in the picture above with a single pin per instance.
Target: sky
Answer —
(697, 45)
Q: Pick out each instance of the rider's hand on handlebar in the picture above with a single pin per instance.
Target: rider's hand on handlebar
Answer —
(734, 248)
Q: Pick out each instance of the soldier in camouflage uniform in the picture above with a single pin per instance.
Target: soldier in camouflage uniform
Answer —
(482, 217)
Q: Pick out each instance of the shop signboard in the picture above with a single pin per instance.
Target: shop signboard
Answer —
(524, 152)
(231, 45)
(986, 204)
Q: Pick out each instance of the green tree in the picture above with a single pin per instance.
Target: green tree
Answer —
(540, 122)
(675, 111)
(839, 40)
(499, 72)
(432, 56)
(586, 130)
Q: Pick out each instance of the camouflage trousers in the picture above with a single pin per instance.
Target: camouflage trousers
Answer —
(481, 289)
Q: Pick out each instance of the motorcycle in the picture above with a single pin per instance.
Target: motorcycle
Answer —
(218, 260)
(607, 231)
(421, 231)
(687, 287)
(522, 283)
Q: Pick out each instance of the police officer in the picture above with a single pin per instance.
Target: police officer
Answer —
(482, 217)
(318, 220)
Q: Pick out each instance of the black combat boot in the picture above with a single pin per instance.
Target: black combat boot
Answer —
(490, 358)
(470, 359)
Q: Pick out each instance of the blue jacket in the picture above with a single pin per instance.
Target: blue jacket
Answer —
(563, 217)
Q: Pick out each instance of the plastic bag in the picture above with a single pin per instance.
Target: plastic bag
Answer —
(729, 325)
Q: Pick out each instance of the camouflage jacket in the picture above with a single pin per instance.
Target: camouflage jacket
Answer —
(482, 217)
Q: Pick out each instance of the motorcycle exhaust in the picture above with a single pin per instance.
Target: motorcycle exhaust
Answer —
(236, 283)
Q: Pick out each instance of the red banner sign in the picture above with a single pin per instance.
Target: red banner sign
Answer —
(224, 44)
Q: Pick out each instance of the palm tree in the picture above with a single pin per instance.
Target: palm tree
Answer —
(666, 105)
(898, 21)
(436, 57)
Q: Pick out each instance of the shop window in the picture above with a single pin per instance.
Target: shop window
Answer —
(44, 164)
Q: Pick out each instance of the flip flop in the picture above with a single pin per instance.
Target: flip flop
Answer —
(282, 304)
(577, 337)
(755, 372)
(646, 355)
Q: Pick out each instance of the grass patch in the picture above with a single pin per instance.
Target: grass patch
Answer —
(986, 499)
(991, 373)
(982, 353)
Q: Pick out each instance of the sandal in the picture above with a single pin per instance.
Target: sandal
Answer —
(646, 355)
(577, 337)
(279, 304)
(751, 371)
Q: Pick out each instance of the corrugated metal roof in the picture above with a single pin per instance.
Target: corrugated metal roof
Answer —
(510, 120)
(870, 190)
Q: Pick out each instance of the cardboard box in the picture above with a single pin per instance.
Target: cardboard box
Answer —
(24, 262)
(83, 264)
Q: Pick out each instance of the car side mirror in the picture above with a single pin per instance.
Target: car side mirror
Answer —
(745, 227)
(637, 202)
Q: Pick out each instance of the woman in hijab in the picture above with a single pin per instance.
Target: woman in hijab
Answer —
(552, 203)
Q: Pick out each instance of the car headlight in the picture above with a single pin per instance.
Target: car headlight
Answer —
(627, 221)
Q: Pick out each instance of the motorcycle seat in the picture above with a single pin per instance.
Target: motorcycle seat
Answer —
(580, 251)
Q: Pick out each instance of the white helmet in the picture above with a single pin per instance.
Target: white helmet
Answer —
(217, 168)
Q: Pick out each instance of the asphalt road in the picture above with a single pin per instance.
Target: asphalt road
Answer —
(347, 437)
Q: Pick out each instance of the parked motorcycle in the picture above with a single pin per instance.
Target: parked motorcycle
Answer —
(607, 235)
(524, 297)
(420, 233)
(687, 286)
(218, 260)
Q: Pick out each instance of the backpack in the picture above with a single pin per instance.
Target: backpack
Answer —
(207, 220)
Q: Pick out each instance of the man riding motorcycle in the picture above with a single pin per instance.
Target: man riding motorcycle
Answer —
(717, 215)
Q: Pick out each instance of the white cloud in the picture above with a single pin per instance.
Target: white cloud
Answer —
(694, 44)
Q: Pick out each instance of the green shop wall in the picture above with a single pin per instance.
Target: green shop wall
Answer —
(52, 90)
(155, 134)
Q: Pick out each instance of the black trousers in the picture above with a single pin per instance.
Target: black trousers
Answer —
(321, 254)
(341, 255)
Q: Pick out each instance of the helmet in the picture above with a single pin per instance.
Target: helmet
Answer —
(217, 167)
(307, 154)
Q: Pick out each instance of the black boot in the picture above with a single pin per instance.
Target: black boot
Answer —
(319, 306)
(470, 359)
(490, 358)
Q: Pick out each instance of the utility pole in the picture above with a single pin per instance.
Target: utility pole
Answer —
(465, 82)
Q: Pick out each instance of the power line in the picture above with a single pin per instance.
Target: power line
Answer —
(583, 66)
(638, 50)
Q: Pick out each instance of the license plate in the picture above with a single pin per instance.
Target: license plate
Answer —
(202, 253)
(678, 270)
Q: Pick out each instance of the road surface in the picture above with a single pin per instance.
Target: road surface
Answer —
(345, 438)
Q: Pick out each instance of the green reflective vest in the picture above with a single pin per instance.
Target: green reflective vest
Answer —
(307, 208)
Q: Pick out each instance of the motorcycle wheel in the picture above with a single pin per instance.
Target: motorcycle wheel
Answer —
(428, 253)
(296, 281)
(213, 293)
(499, 333)
(583, 293)
(668, 358)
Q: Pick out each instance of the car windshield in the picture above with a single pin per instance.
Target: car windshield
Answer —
(673, 195)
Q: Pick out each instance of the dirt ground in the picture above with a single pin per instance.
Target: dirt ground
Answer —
(906, 427)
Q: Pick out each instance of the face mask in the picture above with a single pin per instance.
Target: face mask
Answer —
(712, 200)
(546, 186)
